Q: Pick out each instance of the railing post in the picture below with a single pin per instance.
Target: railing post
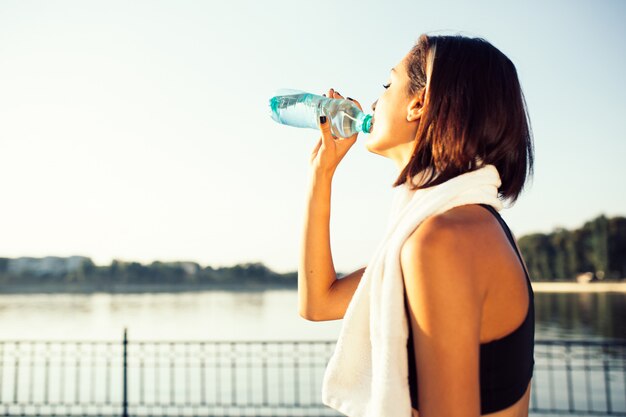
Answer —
(125, 379)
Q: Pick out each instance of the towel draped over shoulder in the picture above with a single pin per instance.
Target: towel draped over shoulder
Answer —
(367, 375)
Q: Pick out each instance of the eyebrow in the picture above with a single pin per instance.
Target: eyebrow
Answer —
(393, 69)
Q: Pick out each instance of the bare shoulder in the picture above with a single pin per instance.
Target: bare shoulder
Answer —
(441, 292)
(460, 226)
(448, 245)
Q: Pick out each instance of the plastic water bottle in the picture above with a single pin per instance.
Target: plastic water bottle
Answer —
(301, 109)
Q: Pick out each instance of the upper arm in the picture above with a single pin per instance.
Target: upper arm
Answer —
(445, 305)
(339, 296)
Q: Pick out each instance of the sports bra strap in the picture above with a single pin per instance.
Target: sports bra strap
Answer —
(509, 235)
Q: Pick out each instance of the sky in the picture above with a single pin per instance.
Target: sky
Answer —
(139, 131)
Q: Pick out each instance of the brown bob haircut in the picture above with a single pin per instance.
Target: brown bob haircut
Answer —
(474, 111)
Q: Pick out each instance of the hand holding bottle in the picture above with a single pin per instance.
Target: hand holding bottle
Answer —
(329, 151)
(298, 108)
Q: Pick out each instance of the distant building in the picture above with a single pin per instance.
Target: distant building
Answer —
(589, 276)
(584, 278)
(54, 265)
(190, 268)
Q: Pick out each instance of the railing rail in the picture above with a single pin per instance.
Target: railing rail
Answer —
(255, 378)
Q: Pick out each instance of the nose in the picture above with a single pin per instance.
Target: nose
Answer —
(374, 105)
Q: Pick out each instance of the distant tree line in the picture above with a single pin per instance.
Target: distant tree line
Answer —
(156, 273)
(598, 247)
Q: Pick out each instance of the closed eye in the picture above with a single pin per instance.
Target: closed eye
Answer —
(385, 86)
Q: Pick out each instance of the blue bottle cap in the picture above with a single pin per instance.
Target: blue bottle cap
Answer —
(366, 127)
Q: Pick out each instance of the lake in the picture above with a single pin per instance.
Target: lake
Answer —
(200, 374)
(263, 315)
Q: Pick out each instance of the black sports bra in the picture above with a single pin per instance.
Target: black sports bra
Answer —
(506, 364)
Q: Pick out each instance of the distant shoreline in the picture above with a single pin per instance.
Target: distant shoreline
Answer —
(579, 287)
(138, 288)
(619, 287)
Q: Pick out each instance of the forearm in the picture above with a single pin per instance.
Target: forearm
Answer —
(316, 272)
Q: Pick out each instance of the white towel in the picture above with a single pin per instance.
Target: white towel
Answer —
(367, 375)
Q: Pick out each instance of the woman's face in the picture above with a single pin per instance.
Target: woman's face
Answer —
(395, 119)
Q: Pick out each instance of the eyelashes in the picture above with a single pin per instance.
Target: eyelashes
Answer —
(385, 86)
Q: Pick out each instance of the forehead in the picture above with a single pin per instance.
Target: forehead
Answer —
(400, 66)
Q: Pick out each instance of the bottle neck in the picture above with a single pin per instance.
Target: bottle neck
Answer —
(364, 122)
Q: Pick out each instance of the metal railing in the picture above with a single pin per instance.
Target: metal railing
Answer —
(579, 377)
(255, 378)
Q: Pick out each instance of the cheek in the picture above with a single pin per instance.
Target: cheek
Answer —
(386, 121)
(389, 130)
(382, 134)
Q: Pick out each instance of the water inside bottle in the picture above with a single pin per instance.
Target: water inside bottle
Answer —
(292, 109)
(301, 109)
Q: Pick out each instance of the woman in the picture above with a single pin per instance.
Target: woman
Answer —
(451, 104)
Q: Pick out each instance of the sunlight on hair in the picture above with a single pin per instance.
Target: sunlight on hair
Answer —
(430, 61)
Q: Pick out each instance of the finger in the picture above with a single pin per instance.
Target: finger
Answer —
(351, 139)
(347, 142)
(324, 124)
(343, 146)
(355, 102)
(336, 94)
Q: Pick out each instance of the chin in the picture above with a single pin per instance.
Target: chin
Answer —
(375, 144)
(370, 144)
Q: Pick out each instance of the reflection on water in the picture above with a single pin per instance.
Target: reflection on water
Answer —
(591, 316)
(269, 315)
(210, 315)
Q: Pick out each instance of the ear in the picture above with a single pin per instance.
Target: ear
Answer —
(415, 107)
